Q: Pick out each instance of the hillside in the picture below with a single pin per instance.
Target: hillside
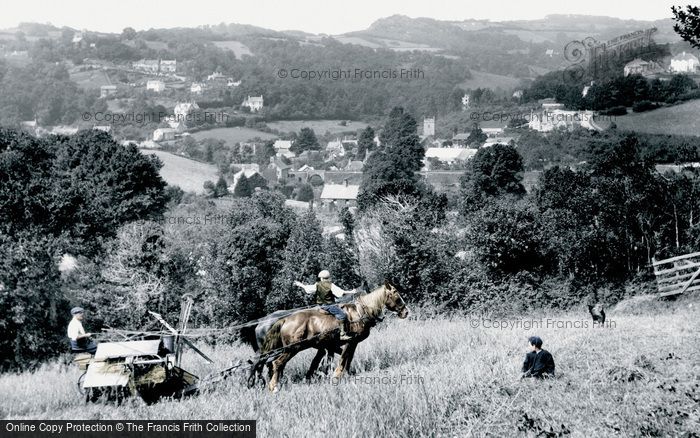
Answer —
(678, 119)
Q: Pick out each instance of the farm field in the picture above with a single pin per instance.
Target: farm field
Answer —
(439, 376)
(233, 135)
(237, 47)
(680, 119)
(320, 127)
(90, 79)
(188, 174)
(489, 80)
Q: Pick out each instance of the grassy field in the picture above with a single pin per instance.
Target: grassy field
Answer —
(237, 47)
(490, 80)
(320, 127)
(438, 376)
(233, 135)
(188, 174)
(680, 119)
(90, 78)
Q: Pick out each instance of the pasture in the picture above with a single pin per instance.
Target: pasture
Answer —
(234, 135)
(440, 376)
(188, 174)
(481, 79)
(238, 48)
(90, 79)
(320, 127)
(678, 119)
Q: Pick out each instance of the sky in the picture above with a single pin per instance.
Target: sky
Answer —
(314, 16)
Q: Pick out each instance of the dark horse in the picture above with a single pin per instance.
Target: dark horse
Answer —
(314, 328)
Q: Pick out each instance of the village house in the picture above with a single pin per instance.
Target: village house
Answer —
(107, 90)
(460, 139)
(492, 132)
(497, 140)
(254, 103)
(103, 128)
(554, 116)
(282, 148)
(277, 169)
(64, 130)
(335, 149)
(146, 65)
(640, 67)
(168, 66)
(354, 166)
(197, 88)
(249, 172)
(336, 196)
(216, 76)
(155, 86)
(448, 155)
(183, 109)
(684, 63)
(164, 134)
(232, 83)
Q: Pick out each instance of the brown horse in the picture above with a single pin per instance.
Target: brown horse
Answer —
(314, 328)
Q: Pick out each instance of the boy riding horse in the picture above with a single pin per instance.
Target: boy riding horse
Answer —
(326, 294)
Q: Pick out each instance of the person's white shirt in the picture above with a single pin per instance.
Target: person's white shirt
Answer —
(75, 329)
(335, 290)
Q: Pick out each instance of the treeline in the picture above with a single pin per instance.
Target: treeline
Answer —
(571, 148)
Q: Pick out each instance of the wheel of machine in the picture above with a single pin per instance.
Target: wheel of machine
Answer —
(81, 379)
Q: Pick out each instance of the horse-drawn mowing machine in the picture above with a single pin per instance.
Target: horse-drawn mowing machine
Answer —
(144, 363)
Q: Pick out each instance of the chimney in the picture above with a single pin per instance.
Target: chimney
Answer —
(346, 182)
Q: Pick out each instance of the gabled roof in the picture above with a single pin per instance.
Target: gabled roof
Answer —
(340, 191)
(685, 57)
(282, 144)
(354, 166)
(450, 154)
(636, 63)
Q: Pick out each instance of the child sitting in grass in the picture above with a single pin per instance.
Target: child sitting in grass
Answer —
(538, 363)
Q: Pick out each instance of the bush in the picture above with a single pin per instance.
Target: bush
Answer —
(644, 105)
(614, 111)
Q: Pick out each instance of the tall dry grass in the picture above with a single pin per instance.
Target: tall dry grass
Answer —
(441, 377)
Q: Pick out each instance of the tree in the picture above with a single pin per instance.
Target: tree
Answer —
(306, 141)
(221, 187)
(392, 169)
(209, 189)
(305, 193)
(303, 259)
(84, 186)
(687, 23)
(476, 136)
(494, 171)
(365, 143)
(128, 33)
(242, 189)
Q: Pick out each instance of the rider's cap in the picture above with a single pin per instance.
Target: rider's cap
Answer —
(76, 310)
(324, 274)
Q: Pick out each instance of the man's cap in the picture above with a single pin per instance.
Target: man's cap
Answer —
(76, 310)
(324, 274)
